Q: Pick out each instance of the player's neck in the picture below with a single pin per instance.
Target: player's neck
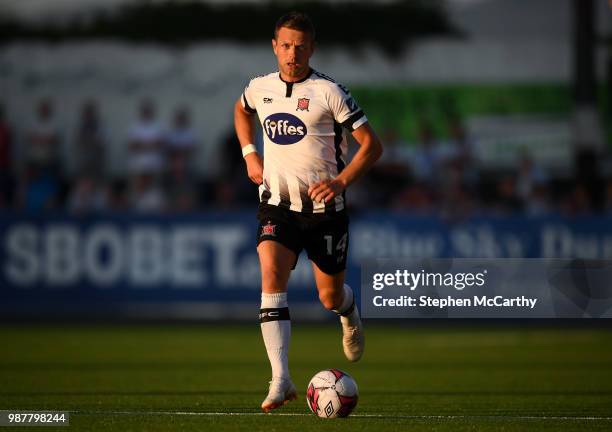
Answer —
(289, 79)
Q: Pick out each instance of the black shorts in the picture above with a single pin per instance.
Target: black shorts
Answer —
(324, 236)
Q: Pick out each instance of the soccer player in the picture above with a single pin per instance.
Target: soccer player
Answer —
(302, 179)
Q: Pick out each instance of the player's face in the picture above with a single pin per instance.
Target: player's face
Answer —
(293, 50)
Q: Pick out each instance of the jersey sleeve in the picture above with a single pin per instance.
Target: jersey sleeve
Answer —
(248, 98)
(344, 108)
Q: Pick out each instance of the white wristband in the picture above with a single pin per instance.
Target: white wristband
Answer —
(248, 149)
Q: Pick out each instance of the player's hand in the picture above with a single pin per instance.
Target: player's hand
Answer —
(254, 168)
(325, 190)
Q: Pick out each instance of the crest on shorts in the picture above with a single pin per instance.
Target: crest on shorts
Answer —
(268, 229)
(303, 104)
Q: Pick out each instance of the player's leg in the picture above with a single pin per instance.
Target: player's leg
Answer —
(337, 296)
(327, 246)
(330, 288)
(276, 262)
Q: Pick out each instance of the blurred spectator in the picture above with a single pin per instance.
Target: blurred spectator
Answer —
(396, 157)
(233, 187)
(460, 146)
(146, 195)
(146, 143)
(589, 178)
(87, 196)
(456, 200)
(146, 161)
(530, 176)
(6, 166)
(179, 180)
(578, 202)
(89, 143)
(460, 151)
(43, 140)
(414, 198)
(539, 203)
(181, 140)
(392, 172)
(508, 201)
(117, 199)
(39, 189)
(426, 157)
(456, 174)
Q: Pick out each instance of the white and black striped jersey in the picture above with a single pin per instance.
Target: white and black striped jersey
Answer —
(303, 136)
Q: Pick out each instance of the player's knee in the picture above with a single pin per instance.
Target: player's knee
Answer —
(274, 279)
(329, 301)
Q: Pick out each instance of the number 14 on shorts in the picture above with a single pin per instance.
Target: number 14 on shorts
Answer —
(341, 246)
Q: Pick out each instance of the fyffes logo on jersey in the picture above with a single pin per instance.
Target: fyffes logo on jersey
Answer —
(283, 128)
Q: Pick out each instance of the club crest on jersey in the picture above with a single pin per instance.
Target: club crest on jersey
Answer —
(284, 128)
(268, 230)
(303, 104)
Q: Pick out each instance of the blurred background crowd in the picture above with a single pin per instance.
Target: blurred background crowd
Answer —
(160, 169)
(431, 174)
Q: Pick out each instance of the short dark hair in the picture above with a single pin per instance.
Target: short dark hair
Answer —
(295, 21)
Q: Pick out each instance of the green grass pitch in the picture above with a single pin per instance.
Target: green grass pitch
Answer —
(213, 378)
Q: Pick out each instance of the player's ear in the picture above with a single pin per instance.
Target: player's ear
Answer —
(274, 45)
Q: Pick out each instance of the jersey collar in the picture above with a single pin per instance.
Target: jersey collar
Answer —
(289, 85)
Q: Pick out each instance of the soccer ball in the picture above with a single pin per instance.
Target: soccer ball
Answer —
(332, 393)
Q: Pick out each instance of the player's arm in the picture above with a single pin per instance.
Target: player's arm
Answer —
(370, 149)
(245, 130)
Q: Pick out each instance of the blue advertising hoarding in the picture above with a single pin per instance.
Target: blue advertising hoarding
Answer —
(205, 265)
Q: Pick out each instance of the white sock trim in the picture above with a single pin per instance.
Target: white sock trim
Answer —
(275, 300)
(347, 300)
